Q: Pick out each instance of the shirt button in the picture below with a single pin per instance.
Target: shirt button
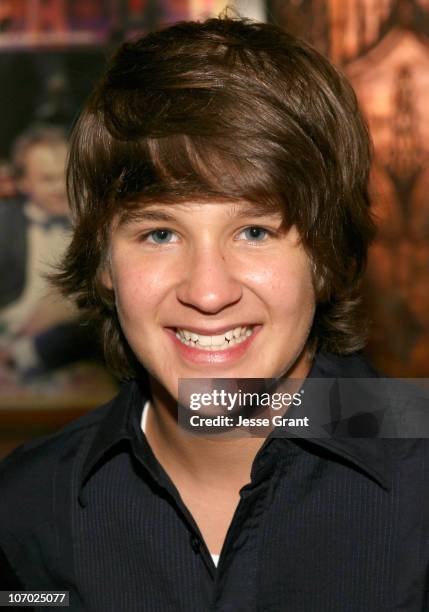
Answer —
(195, 544)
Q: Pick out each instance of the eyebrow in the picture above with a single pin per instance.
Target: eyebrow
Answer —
(145, 214)
(151, 213)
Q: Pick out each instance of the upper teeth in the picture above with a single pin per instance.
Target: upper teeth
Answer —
(232, 336)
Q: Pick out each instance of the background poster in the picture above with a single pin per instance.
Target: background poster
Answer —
(383, 47)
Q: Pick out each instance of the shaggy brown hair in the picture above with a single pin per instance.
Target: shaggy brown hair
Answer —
(224, 109)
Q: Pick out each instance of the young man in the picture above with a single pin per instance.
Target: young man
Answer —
(218, 177)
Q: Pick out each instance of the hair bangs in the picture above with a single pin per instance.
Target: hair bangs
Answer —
(183, 168)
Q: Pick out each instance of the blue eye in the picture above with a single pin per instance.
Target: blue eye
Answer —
(255, 233)
(160, 236)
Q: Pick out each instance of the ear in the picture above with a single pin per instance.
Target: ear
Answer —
(106, 277)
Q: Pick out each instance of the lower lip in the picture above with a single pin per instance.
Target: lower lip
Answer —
(199, 356)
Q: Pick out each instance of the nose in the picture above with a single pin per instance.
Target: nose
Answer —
(210, 282)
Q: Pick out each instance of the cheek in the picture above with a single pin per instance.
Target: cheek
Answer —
(287, 289)
(297, 300)
(139, 290)
(133, 299)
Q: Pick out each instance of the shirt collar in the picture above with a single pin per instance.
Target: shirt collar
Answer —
(372, 455)
(44, 219)
(123, 423)
(119, 424)
(35, 213)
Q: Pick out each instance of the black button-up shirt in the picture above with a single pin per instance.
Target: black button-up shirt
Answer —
(335, 525)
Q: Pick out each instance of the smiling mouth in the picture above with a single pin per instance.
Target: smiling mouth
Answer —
(219, 342)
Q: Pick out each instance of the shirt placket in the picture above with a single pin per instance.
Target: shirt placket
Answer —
(234, 579)
(237, 572)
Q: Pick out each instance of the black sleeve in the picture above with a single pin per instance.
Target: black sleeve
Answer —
(13, 251)
(66, 343)
(8, 579)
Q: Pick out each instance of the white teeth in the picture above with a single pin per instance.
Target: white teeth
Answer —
(215, 342)
(218, 340)
(205, 340)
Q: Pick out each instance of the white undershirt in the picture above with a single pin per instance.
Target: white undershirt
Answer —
(143, 428)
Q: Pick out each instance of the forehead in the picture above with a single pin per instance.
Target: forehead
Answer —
(46, 154)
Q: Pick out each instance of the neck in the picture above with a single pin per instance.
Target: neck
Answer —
(212, 461)
(206, 460)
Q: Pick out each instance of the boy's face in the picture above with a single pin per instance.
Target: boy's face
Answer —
(218, 271)
(44, 180)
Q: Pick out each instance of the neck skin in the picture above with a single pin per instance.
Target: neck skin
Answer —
(207, 462)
